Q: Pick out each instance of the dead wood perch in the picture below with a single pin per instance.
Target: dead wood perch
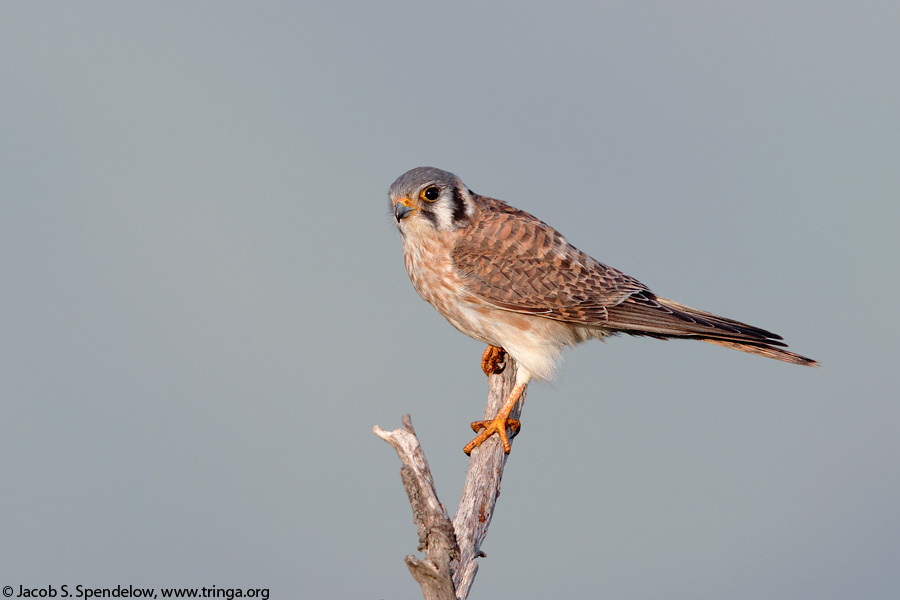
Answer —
(452, 549)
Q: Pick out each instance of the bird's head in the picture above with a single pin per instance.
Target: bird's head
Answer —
(426, 197)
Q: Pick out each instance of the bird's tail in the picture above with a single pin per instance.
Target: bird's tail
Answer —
(766, 350)
(647, 314)
(738, 336)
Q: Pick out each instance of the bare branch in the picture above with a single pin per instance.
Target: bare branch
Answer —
(482, 487)
(436, 536)
(451, 549)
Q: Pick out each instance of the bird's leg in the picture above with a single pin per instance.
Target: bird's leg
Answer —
(493, 360)
(499, 424)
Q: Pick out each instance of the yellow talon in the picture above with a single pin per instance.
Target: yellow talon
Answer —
(493, 360)
(499, 423)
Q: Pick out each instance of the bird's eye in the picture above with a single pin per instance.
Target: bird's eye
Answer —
(431, 193)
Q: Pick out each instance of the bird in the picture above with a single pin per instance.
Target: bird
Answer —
(504, 277)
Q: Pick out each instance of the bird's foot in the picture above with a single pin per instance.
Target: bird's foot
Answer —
(489, 428)
(493, 361)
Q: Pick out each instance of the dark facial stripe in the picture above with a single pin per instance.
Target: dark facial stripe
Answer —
(459, 207)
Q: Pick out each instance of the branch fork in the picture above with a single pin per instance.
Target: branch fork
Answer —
(452, 547)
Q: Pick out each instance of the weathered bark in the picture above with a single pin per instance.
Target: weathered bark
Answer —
(452, 549)
(436, 536)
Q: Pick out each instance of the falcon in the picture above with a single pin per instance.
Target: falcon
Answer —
(506, 278)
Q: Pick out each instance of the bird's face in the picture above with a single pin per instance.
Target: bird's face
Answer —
(429, 199)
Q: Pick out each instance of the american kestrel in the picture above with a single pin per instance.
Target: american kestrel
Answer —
(502, 276)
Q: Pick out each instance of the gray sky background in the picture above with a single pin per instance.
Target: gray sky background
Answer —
(205, 310)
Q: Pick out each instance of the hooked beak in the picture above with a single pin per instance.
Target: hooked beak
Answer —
(402, 209)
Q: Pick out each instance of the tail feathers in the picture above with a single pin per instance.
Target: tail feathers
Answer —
(650, 315)
(766, 350)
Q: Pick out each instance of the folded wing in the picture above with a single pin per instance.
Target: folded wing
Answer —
(516, 262)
